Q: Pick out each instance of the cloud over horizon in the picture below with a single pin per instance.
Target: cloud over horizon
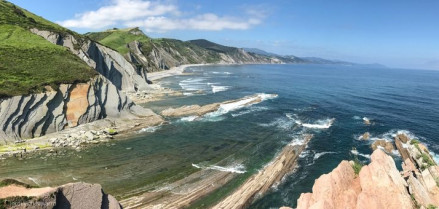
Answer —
(156, 16)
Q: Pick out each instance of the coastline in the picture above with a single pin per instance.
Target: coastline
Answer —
(185, 191)
(171, 72)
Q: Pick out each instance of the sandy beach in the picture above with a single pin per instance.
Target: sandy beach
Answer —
(171, 72)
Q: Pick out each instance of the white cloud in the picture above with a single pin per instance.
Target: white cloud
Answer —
(201, 22)
(156, 17)
(119, 10)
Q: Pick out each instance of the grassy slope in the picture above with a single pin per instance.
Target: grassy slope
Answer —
(118, 40)
(27, 61)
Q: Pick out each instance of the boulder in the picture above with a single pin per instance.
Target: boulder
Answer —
(365, 136)
(387, 146)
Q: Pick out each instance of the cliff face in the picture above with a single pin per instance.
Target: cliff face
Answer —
(379, 184)
(150, 55)
(71, 105)
(106, 61)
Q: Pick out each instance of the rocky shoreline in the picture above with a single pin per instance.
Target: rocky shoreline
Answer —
(380, 184)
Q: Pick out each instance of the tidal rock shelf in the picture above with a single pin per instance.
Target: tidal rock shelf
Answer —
(261, 182)
(221, 108)
(183, 193)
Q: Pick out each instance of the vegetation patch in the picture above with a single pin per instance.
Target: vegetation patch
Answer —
(7, 182)
(28, 63)
(414, 142)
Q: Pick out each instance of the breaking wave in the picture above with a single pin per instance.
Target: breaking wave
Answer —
(250, 110)
(320, 124)
(318, 155)
(216, 89)
(237, 168)
(151, 129)
(232, 106)
(355, 152)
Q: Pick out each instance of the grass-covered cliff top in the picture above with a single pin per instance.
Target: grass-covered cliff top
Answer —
(27, 61)
(118, 39)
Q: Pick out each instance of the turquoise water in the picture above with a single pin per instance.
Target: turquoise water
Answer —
(326, 100)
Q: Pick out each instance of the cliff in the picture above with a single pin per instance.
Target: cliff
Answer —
(53, 78)
(34, 115)
(14, 194)
(379, 184)
(150, 55)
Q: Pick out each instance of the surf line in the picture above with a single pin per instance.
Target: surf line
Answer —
(259, 183)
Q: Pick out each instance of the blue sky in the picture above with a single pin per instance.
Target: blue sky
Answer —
(397, 33)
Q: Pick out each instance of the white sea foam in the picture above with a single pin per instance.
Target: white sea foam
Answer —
(250, 110)
(216, 89)
(151, 129)
(320, 124)
(236, 168)
(189, 118)
(34, 180)
(304, 154)
(297, 142)
(318, 155)
(355, 152)
(280, 123)
(224, 73)
(193, 84)
(356, 117)
(188, 93)
(225, 108)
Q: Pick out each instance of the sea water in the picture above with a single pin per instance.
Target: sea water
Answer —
(328, 101)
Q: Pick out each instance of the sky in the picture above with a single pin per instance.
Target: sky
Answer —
(396, 33)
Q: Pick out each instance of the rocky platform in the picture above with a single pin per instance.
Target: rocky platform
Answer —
(71, 196)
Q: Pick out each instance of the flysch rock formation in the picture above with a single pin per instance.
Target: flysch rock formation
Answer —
(106, 61)
(184, 192)
(29, 116)
(35, 115)
(69, 196)
(261, 182)
(380, 184)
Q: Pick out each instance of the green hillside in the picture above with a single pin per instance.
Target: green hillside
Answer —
(118, 39)
(185, 52)
(27, 61)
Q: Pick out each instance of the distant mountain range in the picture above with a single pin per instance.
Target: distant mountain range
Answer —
(311, 60)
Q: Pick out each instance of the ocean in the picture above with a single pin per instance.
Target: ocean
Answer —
(328, 101)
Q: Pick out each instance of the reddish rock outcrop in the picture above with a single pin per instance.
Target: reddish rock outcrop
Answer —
(387, 146)
(77, 104)
(379, 184)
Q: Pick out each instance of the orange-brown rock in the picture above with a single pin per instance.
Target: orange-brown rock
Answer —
(338, 189)
(403, 151)
(388, 146)
(365, 136)
(378, 185)
(77, 104)
(404, 138)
